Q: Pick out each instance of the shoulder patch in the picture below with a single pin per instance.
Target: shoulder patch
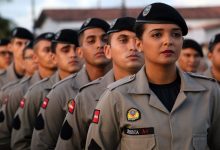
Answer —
(71, 106)
(22, 103)
(67, 79)
(121, 82)
(201, 76)
(97, 81)
(45, 103)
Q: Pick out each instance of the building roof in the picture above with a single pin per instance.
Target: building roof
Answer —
(111, 13)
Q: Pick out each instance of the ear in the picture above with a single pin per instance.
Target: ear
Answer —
(139, 44)
(79, 52)
(35, 58)
(54, 58)
(107, 51)
(210, 55)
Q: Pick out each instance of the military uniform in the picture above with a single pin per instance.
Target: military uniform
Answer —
(79, 116)
(26, 114)
(4, 132)
(208, 73)
(130, 116)
(53, 110)
(8, 75)
(13, 96)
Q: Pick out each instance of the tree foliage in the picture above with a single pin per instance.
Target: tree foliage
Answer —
(5, 27)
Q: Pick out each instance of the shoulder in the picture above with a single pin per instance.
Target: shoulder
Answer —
(65, 81)
(39, 84)
(91, 84)
(200, 77)
(121, 82)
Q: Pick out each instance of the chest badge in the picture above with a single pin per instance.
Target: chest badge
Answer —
(133, 114)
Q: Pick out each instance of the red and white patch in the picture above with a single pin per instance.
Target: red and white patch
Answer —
(96, 116)
(71, 106)
(45, 103)
(22, 103)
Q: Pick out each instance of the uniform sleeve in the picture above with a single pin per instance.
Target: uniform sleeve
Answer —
(24, 121)
(74, 129)
(5, 126)
(104, 131)
(52, 117)
(214, 130)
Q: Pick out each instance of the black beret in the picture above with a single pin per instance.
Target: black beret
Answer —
(23, 33)
(124, 23)
(162, 13)
(214, 40)
(189, 43)
(29, 45)
(68, 36)
(94, 23)
(4, 42)
(44, 36)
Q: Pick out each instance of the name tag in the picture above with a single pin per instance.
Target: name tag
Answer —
(139, 131)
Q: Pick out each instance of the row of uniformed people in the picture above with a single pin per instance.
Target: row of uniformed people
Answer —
(108, 119)
(160, 107)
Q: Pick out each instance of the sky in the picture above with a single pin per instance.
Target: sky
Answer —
(20, 12)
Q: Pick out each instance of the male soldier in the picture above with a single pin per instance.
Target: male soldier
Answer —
(5, 55)
(19, 39)
(190, 56)
(122, 38)
(214, 57)
(7, 110)
(160, 107)
(53, 109)
(64, 47)
(15, 93)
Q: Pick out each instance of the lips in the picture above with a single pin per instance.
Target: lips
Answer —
(73, 62)
(100, 54)
(168, 52)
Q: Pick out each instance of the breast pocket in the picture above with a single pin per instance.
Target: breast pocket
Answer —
(200, 142)
(138, 142)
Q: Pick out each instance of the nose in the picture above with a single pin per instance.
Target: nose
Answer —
(168, 40)
(100, 44)
(132, 45)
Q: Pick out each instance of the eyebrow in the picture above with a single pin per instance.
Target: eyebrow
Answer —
(161, 29)
(65, 46)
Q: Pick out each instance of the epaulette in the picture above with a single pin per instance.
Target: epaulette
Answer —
(201, 76)
(38, 82)
(24, 80)
(64, 80)
(9, 84)
(121, 82)
(97, 81)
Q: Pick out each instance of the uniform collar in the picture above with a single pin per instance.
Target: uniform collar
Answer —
(52, 80)
(141, 85)
(108, 78)
(80, 79)
(11, 73)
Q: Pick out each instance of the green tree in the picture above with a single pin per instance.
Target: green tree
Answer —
(5, 27)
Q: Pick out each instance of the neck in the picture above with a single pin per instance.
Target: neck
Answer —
(216, 73)
(160, 74)
(96, 72)
(120, 73)
(44, 72)
(29, 74)
(19, 69)
(63, 74)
